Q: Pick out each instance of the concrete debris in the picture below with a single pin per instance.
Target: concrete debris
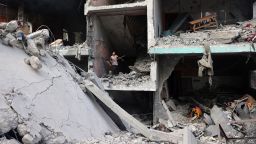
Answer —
(142, 65)
(170, 117)
(224, 35)
(8, 141)
(56, 43)
(206, 129)
(173, 40)
(197, 129)
(29, 139)
(11, 26)
(8, 118)
(207, 119)
(210, 140)
(75, 49)
(189, 138)
(22, 129)
(219, 117)
(180, 115)
(242, 110)
(3, 25)
(33, 44)
(25, 93)
(123, 137)
(34, 62)
(31, 48)
(212, 130)
(130, 79)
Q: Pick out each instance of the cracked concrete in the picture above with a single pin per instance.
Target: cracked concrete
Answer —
(50, 96)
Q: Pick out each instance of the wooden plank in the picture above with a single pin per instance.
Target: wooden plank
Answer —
(141, 128)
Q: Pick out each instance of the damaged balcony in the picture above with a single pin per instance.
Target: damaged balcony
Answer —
(104, 7)
(185, 28)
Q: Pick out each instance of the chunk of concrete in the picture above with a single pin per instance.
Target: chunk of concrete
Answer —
(31, 48)
(8, 141)
(224, 36)
(188, 137)
(27, 139)
(242, 110)
(12, 26)
(22, 129)
(207, 119)
(3, 25)
(8, 118)
(56, 140)
(34, 62)
(212, 130)
(196, 35)
(219, 117)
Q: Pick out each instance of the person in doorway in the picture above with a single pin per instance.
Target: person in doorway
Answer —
(114, 62)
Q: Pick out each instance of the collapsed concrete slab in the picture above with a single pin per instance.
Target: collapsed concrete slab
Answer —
(8, 118)
(219, 118)
(50, 97)
(140, 128)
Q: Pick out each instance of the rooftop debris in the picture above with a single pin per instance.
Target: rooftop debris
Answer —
(243, 32)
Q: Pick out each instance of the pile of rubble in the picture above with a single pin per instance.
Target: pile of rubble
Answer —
(234, 121)
(142, 65)
(140, 73)
(119, 138)
(244, 32)
(130, 79)
(34, 44)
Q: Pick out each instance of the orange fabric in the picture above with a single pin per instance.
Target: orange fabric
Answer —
(197, 111)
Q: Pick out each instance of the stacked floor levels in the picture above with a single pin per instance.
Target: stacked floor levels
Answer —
(133, 29)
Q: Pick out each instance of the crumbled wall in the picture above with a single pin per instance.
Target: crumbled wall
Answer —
(166, 65)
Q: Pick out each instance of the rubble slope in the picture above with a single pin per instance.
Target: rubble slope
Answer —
(50, 96)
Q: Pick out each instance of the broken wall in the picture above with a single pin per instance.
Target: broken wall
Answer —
(118, 34)
(101, 47)
(166, 65)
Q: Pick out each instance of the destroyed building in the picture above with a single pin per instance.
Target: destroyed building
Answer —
(186, 71)
(178, 34)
